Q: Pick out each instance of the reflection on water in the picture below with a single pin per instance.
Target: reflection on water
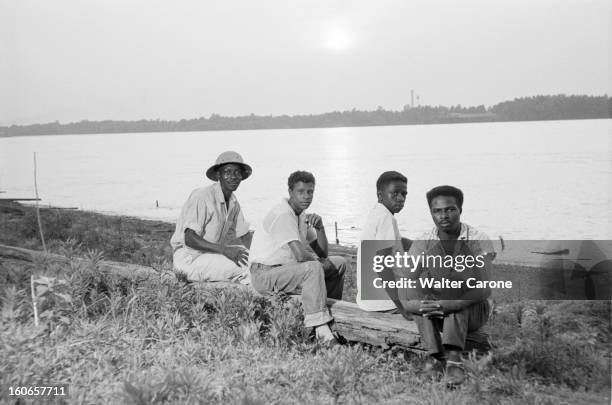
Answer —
(522, 180)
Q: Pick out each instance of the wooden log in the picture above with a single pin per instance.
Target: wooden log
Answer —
(352, 323)
(377, 329)
(106, 266)
(18, 199)
(357, 325)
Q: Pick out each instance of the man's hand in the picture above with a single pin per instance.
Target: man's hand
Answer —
(439, 308)
(236, 253)
(315, 221)
(431, 309)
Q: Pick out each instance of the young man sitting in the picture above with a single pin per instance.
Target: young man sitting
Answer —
(391, 191)
(211, 237)
(453, 313)
(280, 261)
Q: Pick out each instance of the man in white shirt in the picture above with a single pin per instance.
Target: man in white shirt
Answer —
(211, 236)
(391, 191)
(280, 261)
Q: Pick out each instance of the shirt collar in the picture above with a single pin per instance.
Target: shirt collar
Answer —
(381, 207)
(219, 195)
(464, 234)
(286, 201)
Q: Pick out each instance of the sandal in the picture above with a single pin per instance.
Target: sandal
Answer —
(320, 344)
(455, 373)
(433, 369)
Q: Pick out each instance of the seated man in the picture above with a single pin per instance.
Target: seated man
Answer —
(452, 312)
(211, 235)
(280, 261)
(391, 190)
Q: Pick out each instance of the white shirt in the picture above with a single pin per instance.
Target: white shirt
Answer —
(270, 245)
(205, 213)
(380, 225)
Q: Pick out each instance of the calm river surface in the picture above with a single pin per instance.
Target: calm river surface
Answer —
(522, 180)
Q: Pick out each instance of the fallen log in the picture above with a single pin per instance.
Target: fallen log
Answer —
(357, 325)
(107, 266)
(19, 199)
(352, 323)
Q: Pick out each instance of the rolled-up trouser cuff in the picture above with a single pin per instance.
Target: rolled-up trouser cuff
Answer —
(305, 278)
(317, 318)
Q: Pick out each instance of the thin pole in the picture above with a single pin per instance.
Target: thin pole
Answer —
(42, 237)
(34, 303)
(336, 227)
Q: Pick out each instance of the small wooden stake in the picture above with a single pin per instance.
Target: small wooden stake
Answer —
(336, 226)
(34, 300)
(42, 237)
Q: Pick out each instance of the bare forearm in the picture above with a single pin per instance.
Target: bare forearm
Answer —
(412, 306)
(246, 239)
(320, 246)
(299, 252)
(305, 257)
(194, 241)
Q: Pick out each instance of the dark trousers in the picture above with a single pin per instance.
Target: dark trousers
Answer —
(453, 329)
(334, 276)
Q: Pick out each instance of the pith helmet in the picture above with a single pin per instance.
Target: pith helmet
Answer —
(229, 157)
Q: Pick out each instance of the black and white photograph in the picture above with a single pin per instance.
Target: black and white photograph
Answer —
(306, 202)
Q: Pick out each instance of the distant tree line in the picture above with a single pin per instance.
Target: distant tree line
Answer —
(557, 107)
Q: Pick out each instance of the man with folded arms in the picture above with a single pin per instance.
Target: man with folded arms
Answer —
(281, 262)
(211, 237)
(449, 318)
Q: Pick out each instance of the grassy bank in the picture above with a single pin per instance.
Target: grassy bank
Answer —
(160, 340)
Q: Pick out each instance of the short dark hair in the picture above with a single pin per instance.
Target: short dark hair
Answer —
(448, 191)
(388, 177)
(300, 175)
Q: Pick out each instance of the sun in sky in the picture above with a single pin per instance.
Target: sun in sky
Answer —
(338, 39)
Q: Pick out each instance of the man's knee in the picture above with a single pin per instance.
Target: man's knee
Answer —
(313, 269)
(339, 263)
(313, 266)
(460, 317)
(213, 267)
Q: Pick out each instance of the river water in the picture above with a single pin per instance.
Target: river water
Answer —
(522, 180)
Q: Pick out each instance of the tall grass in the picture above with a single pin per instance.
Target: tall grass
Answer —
(157, 339)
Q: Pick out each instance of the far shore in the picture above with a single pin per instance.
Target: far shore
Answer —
(5, 134)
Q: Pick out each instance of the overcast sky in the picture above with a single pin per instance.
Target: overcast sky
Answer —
(70, 60)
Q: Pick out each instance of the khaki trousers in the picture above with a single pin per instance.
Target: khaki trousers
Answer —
(310, 279)
(200, 266)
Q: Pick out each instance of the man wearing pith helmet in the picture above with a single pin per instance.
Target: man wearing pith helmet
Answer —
(211, 237)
